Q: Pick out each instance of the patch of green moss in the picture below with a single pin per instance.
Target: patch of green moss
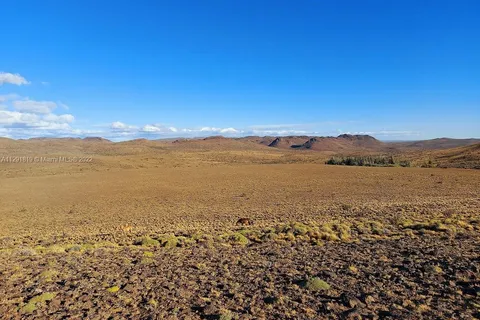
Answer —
(342, 231)
(153, 302)
(436, 269)
(28, 308)
(55, 249)
(185, 241)
(146, 260)
(87, 247)
(353, 269)
(271, 235)
(245, 232)
(106, 244)
(235, 238)
(289, 236)
(31, 305)
(168, 240)
(316, 284)
(147, 242)
(113, 289)
(300, 228)
(148, 254)
(47, 296)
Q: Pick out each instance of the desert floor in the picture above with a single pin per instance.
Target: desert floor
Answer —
(156, 237)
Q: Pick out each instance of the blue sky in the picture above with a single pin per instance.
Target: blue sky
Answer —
(125, 69)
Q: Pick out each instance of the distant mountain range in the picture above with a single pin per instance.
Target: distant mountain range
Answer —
(445, 152)
(344, 143)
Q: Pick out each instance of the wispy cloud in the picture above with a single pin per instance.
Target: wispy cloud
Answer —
(15, 119)
(33, 106)
(23, 117)
(121, 128)
(384, 133)
(8, 97)
(63, 105)
(300, 126)
(12, 78)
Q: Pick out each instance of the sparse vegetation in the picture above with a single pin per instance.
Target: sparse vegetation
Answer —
(34, 302)
(368, 161)
(236, 238)
(316, 284)
(147, 242)
(168, 240)
(113, 289)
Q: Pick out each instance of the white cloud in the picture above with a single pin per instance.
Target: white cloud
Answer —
(275, 126)
(229, 130)
(385, 133)
(11, 78)
(118, 125)
(218, 130)
(122, 127)
(158, 128)
(15, 119)
(33, 106)
(150, 128)
(8, 97)
(53, 130)
(23, 117)
(64, 118)
(281, 132)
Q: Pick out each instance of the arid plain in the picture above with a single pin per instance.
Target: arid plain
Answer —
(237, 229)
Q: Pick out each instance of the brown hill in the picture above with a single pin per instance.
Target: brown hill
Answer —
(287, 142)
(461, 157)
(258, 140)
(342, 143)
(96, 139)
(439, 143)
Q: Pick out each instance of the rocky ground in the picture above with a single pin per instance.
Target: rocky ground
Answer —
(163, 238)
(412, 275)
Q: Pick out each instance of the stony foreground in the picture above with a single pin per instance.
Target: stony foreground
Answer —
(410, 277)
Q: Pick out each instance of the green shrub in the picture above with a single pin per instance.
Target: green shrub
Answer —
(368, 161)
(236, 238)
(168, 240)
(316, 284)
(33, 302)
(147, 242)
(113, 289)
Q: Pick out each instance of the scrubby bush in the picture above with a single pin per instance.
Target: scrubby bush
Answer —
(168, 240)
(368, 161)
(147, 242)
(235, 238)
(316, 284)
(113, 289)
(31, 306)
